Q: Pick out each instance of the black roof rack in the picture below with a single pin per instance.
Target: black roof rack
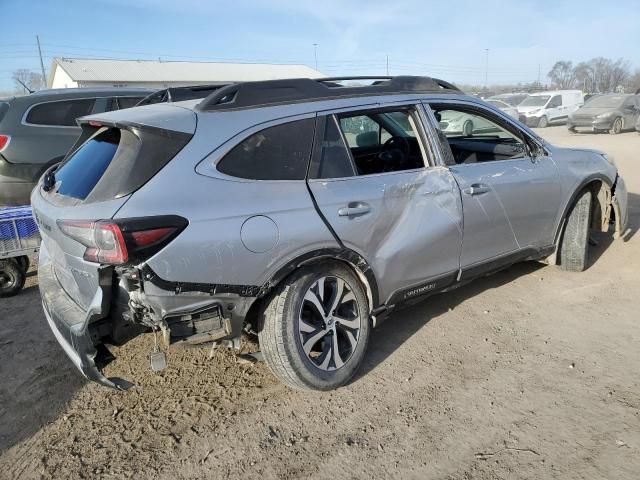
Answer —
(273, 92)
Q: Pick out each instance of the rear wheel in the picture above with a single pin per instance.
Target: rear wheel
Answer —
(616, 128)
(315, 328)
(574, 245)
(12, 277)
(543, 122)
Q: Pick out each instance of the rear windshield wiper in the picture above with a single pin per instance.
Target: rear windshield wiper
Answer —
(49, 179)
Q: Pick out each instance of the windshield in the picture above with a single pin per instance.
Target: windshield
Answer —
(607, 101)
(497, 103)
(535, 101)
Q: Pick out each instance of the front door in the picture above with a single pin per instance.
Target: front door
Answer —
(510, 196)
(373, 181)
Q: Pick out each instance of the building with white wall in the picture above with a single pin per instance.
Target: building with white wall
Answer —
(79, 72)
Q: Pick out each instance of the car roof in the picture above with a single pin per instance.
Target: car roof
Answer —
(245, 95)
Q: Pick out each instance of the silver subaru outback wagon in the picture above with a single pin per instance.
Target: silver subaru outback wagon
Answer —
(301, 211)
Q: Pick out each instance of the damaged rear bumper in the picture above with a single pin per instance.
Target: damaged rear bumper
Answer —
(70, 325)
(123, 308)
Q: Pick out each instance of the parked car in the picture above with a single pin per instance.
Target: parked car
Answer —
(300, 211)
(179, 94)
(37, 130)
(505, 107)
(513, 99)
(544, 108)
(613, 113)
(589, 96)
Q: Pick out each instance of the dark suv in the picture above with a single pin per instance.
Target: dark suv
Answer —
(37, 130)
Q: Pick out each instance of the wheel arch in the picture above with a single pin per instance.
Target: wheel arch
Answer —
(346, 256)
(602, 189)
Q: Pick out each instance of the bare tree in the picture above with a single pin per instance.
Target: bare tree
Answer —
(634, 83)
(26, 79)
(562, 75)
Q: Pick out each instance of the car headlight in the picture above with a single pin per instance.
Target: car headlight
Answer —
(604, 115)
(533, 112)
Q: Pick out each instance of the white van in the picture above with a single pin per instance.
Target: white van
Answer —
(544, 108)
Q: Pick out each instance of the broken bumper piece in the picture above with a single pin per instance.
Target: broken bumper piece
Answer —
(69, 324)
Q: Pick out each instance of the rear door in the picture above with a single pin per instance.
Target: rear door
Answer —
(510, 196)
(385, 199)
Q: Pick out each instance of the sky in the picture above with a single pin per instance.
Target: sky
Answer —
(449, 40)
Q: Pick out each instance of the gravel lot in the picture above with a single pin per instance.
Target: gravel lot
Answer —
(532, 373)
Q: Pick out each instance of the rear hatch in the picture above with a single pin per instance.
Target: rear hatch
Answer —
(116, 154)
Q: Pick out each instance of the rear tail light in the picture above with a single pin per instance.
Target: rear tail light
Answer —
(4, 141)
(123, 241)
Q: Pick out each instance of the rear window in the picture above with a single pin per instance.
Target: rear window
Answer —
(107, 163)
(276, 153)
(86, 166)
(60, 113)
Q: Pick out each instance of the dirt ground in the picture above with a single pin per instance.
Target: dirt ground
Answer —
(533, 373)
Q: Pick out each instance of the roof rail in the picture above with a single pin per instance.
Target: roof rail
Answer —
(274, 92)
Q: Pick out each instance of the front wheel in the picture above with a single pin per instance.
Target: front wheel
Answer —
(574, 244)
(543, 122)
(616, 128)
(12, 277)
(315, 328)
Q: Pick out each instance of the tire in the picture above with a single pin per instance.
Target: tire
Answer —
(298, 341)
(616, 127)
(12, 278)
(24, 263)
(467, 128)
(543, 122)
(574, 245)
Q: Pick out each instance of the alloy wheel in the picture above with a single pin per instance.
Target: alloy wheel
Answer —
(7, 280)
(329, 323)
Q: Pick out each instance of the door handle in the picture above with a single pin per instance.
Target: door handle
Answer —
(353, 209)
(477, 189)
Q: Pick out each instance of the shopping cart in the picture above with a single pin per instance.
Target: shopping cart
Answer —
(19, 238)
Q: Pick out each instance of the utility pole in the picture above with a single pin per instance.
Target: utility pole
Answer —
(44, 76)
(538, 74)
(387, 65)
(315, 54)
(486, 68)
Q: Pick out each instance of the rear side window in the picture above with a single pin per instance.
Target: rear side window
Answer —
(276, 153)
(331, 158)
(86, 166)
(62, 113)
(4, 108)
(128, 102)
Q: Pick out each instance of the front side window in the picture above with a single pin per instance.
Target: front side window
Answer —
(476, 137)
(60, 113)
(556, 101)
(281, 152)
(367, 143)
